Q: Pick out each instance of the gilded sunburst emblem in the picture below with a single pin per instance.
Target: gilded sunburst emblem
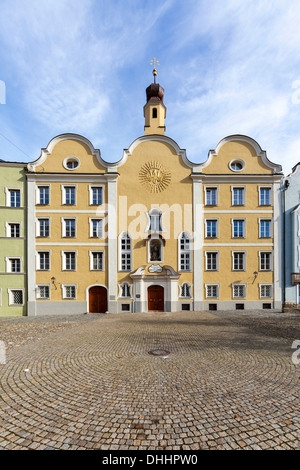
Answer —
(154, 177)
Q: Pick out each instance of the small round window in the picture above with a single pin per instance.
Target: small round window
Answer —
(237, 165)
(71, 163)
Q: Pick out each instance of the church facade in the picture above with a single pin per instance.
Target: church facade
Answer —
(153, 231)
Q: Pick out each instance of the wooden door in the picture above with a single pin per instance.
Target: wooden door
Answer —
(156, 299)
(97, 299)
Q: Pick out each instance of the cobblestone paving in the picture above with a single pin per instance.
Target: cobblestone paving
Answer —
(223, 381)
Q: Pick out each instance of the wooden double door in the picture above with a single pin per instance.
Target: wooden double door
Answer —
(97, 299)
(156, 301)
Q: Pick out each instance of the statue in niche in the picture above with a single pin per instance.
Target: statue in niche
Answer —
(155, 250)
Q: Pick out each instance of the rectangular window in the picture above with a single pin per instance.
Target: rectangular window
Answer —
(265, 228)
(43, 228)
(266, 291)
(43, 261)
(97, 261)
(69, 228)
(69, 197)
(212, 291)
(96, 195)
(126, 262)
(14, 265)
(265, 261)
(185, 264)
(69, 291)
(239, 291)
(43, 292)
(238, 261)
(14, 198)
(238, 197)
(43, 195)
(211, 228)
(70, 261)
(14, 230)
(238, 229)
(96, 228)
(264, 196)
(211, 261)
(15, 297)
(211, 196)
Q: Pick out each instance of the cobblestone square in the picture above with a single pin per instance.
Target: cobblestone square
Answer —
(152, 381)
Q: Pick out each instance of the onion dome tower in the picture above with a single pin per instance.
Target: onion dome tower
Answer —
(154, 109)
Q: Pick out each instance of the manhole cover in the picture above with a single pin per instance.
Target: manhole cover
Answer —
(159, 352)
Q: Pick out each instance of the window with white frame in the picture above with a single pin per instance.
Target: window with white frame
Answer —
(96, 195)
(155, 223)
(266, 291)
(238, 228)
(13, 197)
(43, 291)
(185, 290)
(96, 228)
(155, 250)
(14, 230)
(212, 258)
(238, 196)
(239, 291)
(43, 195)
(15, 297)
(238, 261)
(96, 260)
(211, 228)
(125, 247)
(13, 265)
(69, 291)
(125, 290)
(43, 260)
(69, 260)
(265, 260)
(212, 291)
(43, 227)
(69, 195)
(265, 228)
(211, 196)
(265, 196)
(69, 228)
(185, 252)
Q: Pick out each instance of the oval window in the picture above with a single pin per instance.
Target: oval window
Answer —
(237, 165)
(71, 163)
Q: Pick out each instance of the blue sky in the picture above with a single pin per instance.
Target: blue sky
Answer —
(227, 67)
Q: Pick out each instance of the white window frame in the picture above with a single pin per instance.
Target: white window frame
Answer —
(98, 219)
(121, 288)
(217, 286)
(71, 159)
(8, 260)
(10, 297)
(217, 260)
(232, 195)
(64, 228)
(91, 187)
(190, 296)
(63, 288)
(37, 227)
(236, 284)
(236, 219)
(8, 198)
(271, 260)
(244, 253)
(265, 285)
(185, 251)
(205, 195)
(37, 291)
(267, 219)
(154, 211)
(126, 252)
(154, 238)
(91, 255)
(8, 229)
(63, 194)
(64, 259)
(37, 194)
(38, 260)
(271, 195)
(211, 219)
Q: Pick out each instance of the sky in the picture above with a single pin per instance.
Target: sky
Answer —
(227, 67)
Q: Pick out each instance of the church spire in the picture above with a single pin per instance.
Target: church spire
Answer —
(155, 110)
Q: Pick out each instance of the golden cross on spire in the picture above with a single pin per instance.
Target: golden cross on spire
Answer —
(155, 63)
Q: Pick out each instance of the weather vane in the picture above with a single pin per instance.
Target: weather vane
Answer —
(155, 63)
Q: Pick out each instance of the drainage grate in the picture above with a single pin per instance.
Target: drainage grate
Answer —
(159, 352)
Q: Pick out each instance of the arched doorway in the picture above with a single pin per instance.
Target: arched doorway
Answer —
(156, 299)
(97, 299)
